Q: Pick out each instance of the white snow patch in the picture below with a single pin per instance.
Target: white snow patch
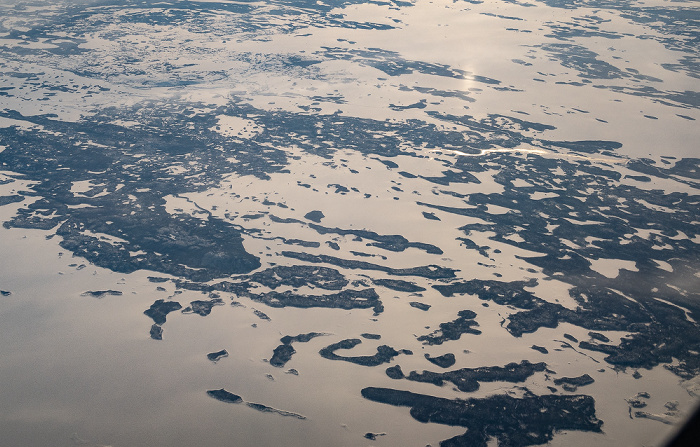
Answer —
(82, 186)
(539, 195)
(611, 267)
(234, 126)
(663, 265)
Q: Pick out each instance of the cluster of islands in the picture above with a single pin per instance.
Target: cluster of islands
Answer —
(192, 253)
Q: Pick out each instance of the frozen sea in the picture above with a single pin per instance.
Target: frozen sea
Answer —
(348, 223)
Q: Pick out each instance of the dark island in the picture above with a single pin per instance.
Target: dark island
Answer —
(160, 309)
(384, 353)
(283, 353)
(572, 383)
(225, 396)
(467, 379)
(218, 355)
(530, 420)
(443, 361)
(102, 293)
(453, 330)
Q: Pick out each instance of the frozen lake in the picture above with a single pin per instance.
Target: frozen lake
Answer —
(405, 222)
